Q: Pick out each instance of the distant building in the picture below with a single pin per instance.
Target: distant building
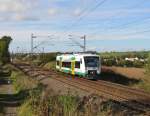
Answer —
(132, 59)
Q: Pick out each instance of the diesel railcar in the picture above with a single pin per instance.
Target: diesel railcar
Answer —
(86, 65)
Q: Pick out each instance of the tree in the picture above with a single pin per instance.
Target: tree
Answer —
(4, 49)
(148, 66)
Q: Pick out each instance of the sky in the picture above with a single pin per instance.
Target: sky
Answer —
(109, 25)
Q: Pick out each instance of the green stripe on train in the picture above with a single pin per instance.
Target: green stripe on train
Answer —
(77, 73)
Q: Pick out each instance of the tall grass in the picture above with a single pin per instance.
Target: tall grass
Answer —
(21, 81)
(42, 101)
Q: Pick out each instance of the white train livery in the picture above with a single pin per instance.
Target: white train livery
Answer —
(82, 64)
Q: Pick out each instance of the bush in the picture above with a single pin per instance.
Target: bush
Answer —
(109, 62)
(21, 82)
(148, 66)
(118, 58)
(4, 46)
(121, 63)
(47, 57)
(138, 64)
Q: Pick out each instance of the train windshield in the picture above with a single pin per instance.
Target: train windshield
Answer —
(91, 61)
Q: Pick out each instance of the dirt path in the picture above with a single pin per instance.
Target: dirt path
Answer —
(6, 91)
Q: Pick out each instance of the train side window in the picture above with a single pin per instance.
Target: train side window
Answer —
(77, 64)
(66, 64)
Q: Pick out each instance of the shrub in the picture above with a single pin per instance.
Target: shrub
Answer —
(4, 46)
(21, 82)
(148, 66)
(138, 64)
(47, 57)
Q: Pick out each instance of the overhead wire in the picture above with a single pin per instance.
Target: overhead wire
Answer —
(122, 26)
(131, 33)
(137, 32)
(84, 14)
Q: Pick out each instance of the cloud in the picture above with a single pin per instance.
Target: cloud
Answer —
(16, 10)
(13, 6)
(52, 11)
(22, 17)
(77, 11)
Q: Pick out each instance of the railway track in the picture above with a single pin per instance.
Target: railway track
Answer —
(132, 98)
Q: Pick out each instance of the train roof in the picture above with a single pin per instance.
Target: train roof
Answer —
(78, 54)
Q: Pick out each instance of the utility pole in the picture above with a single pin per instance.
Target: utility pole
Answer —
(35, 46)
(84, 46)
(32, 36)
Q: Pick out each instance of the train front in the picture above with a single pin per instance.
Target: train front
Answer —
(92, 66)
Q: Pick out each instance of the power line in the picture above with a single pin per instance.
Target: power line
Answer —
(36, 46)
(122, 26)
(133, 33)
(87, 13)
(81, 18)
(84, 10)
(126, 24)
(137, 32)
(129, 23)
(79, 44)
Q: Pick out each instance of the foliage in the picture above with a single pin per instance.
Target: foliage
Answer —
(47, 57)
(39, 59)
(69, 103)
(144, 85)
(42, 101)
(50, 65)
(21, 82)
(148, 66)
(25, 110)
(4, 46)
(118, 59)
(140, 54)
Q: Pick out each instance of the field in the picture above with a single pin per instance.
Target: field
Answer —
(66, 99)
(133, 73)
(133, 77)
(40, 98)
(63, 81)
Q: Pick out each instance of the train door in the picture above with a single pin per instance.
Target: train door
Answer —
(73, 66)
(60, 63)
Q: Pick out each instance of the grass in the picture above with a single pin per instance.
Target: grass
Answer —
(25, 110)
(24, 86)
(4, 73)
(21, 81)
(50, 65)
(144, 84)
(41, 101)
(54, 104)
